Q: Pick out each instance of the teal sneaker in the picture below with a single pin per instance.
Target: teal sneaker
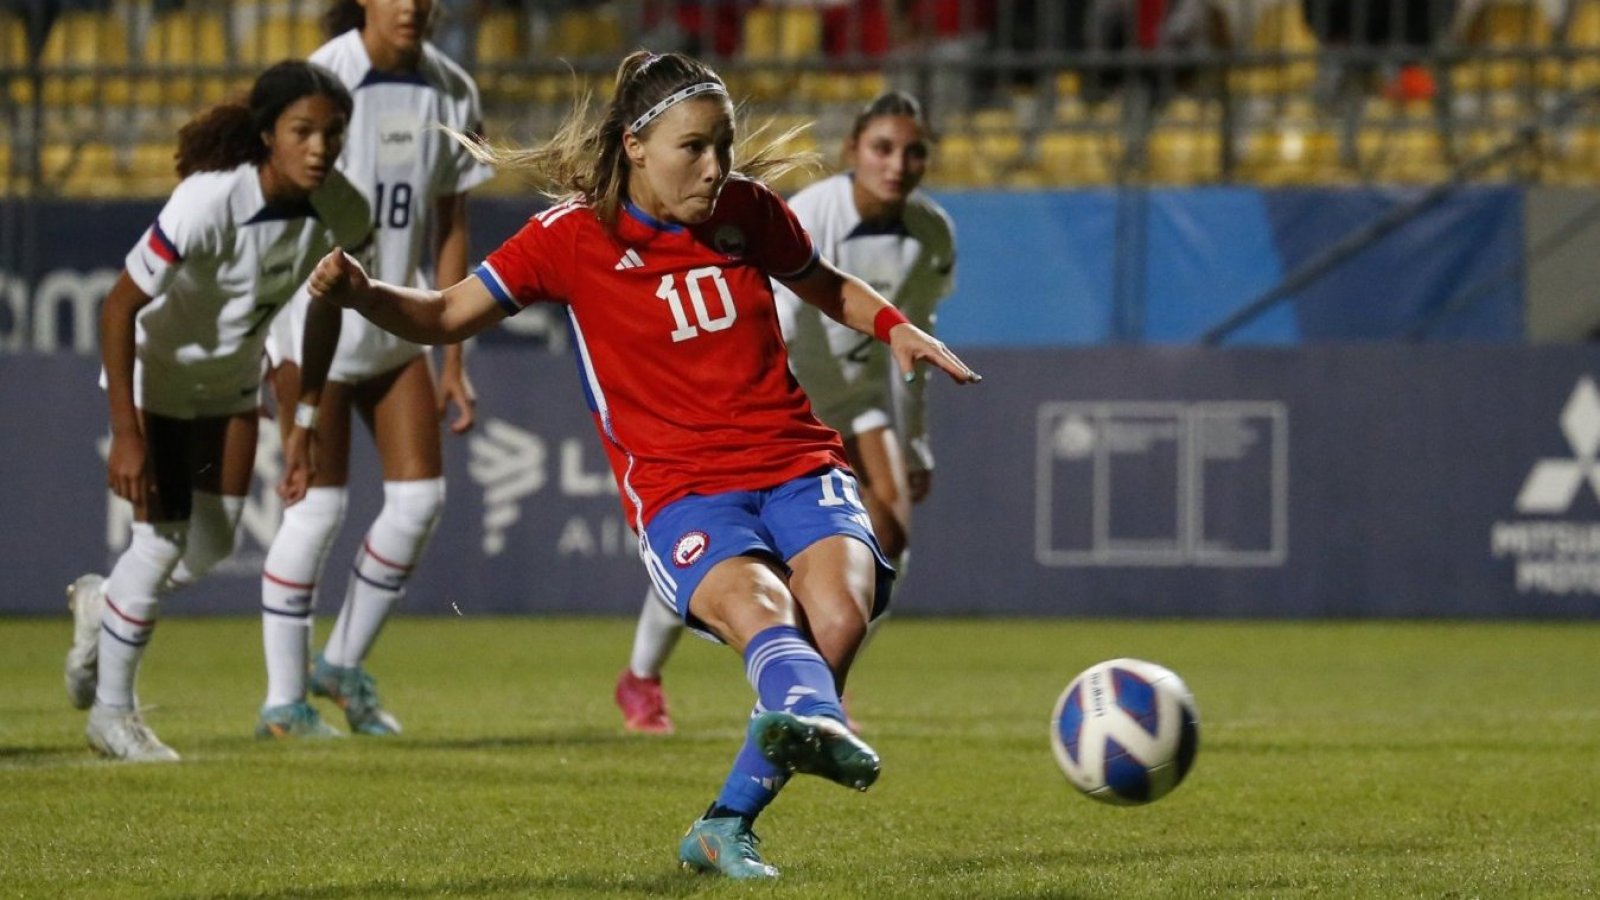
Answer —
(355, 693)
(725, 845)
(815, 745)
(292, 721)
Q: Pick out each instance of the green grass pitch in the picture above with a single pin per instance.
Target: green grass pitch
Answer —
(1336, 760)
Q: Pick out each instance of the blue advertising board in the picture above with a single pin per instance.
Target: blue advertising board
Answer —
(1339, 481)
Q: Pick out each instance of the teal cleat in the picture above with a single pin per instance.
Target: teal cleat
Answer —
(725, 845)
(355, 693)
(815, 745)
(293, 721)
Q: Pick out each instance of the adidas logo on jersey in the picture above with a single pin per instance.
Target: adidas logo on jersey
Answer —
(629, 260)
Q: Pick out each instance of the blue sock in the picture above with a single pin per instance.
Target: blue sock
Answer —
(751, 784)
(788, 673)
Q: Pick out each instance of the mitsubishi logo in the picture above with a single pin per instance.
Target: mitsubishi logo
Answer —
(1554, 483)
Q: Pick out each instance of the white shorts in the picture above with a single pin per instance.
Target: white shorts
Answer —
(365, 350)
(856, 414)
(178, 391)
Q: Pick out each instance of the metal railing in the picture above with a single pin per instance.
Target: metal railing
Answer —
(1024, 93)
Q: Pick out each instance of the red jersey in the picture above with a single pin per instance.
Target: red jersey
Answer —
(681, 356)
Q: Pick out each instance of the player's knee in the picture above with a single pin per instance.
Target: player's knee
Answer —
(159, 545)
(317, 517)
(414, 506)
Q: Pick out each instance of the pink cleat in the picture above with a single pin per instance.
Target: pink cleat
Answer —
(643, 705)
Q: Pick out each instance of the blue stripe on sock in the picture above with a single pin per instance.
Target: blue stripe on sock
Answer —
(129, 641)
(788, 673)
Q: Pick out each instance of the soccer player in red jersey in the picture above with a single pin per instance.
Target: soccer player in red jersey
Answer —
(749, 520)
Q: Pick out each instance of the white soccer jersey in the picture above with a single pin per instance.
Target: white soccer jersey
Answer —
(910, 262)
(403, 163)
(219, 263)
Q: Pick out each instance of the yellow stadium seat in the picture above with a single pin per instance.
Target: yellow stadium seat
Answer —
(13, 41)
(152, 169)
(88, 170)
(80, 46)
(1279, 28)
(499, 38)
(279, 37)
(181, 58)
(1575, 157)
(585, 32)
(1072, 158)
(1407, 151)
(1583, 36)
(1503, 25)
(773, 34)
(1291, 154)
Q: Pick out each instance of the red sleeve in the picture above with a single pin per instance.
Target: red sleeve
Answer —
(783, 248)
(530, 265)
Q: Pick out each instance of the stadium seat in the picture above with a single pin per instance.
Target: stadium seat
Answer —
(583, 32)
(1185, 146)
(779, 35)
(280, 36)
(152, 168)
(1280, 28)
(79, 50)
(842, 87)
(82, 170)
(13, 41)
(1074, 158)
(1406, 150)
(1582, 37)
(500, 47)
(175, 56)
(1502, 26)
(1574, 157)
(1295, 146)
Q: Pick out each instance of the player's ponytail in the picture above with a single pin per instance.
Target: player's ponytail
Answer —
(585, 156)
(342, 16)
(229, 134)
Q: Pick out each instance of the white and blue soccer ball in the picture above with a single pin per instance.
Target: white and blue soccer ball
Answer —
(1125, 731)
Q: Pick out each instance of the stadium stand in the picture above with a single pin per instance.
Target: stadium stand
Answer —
(1019, 97)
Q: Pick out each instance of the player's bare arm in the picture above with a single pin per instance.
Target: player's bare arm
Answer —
(450, 253)
(422, 316)
(854, 303)
(125, 466)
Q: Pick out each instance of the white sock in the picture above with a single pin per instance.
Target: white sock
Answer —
(213, 524)
(654, 637)
(288, 589)
(132, 605)
(383, 566)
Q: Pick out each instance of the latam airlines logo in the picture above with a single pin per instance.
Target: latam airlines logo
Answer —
(1556, 553)
(1553, 484)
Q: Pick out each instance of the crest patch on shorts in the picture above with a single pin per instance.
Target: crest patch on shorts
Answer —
(690, 548)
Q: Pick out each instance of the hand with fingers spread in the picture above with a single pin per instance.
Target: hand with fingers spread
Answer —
(910, 344)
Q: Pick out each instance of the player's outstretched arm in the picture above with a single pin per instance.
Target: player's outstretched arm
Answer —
(854, 303)
(426, 317)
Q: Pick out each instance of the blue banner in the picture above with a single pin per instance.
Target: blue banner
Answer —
(1342, 481)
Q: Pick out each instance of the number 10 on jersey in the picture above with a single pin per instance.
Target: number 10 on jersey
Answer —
(693, 282)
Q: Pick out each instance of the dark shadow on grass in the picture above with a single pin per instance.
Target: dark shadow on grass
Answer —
(665, 884)
(547, 740)
(43, 756)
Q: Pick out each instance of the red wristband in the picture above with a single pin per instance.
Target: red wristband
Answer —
(886, 319)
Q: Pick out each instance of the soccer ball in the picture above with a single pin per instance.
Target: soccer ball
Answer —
(1125, 731)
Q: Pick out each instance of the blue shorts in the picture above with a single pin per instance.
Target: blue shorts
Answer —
(689, 536)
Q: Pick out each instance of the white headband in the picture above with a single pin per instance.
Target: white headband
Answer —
(692, 90)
